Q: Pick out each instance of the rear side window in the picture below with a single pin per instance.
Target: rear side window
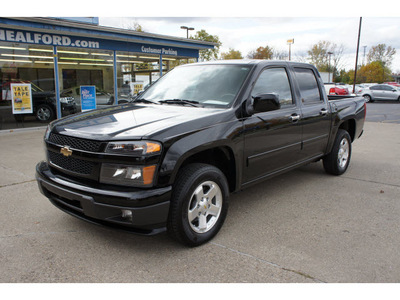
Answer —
(308, 85)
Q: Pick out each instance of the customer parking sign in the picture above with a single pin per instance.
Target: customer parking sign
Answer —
(88, 97)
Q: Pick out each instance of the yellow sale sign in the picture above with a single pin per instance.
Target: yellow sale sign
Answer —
(137, 88)
(21, 98)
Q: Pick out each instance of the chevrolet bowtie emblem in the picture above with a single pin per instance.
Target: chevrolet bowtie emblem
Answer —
(66, 151)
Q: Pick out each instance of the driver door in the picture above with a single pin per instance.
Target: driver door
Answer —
(272, 139)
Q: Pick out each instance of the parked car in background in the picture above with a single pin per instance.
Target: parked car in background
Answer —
(381, 92)
(393, 83)
(333, 89)
(43, 102)
(102, 97)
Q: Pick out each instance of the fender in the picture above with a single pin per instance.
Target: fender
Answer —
(226, 136)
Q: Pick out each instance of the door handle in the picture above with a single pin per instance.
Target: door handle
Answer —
(323, 112)
(294, 118)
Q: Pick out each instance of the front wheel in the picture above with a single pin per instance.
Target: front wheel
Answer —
(338, 160)
(368, 98)
(199, 204)
(44, 113)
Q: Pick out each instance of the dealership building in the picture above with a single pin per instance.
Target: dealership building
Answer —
(54, 58)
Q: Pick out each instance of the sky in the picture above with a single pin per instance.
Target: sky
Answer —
(248, 24)
(249, 33)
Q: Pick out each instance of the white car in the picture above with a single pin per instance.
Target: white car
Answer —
(381, 92)
(102, 98)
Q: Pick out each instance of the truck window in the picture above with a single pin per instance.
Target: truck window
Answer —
(308, 85)
(274, 80)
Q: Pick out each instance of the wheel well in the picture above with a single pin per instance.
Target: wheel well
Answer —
(350, 127)
(222, 158)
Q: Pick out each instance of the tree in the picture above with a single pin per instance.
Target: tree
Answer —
(318, 56)
(381, 53)
(208, 54)
(373, 72)
(266, 52)
(134, 26)
(232, 54)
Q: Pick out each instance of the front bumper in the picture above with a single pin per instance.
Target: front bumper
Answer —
(104, 207)
(68, 109)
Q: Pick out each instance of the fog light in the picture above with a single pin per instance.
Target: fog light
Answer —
(127, 214)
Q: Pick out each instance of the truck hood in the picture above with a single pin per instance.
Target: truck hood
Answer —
(137, 121)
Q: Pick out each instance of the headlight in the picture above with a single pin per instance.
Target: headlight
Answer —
(134, 148)
(139, 176)
(47, 133)
(67, 100)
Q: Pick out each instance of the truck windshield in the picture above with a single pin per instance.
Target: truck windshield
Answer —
(205, 85)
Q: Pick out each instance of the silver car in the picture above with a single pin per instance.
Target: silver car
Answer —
(381, 92)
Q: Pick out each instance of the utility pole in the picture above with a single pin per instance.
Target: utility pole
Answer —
(358, 47)
(329, 67)
(364, 55)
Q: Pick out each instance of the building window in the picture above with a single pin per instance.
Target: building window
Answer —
(86, 67)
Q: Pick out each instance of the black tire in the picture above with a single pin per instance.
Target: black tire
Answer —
(338, 160)
(192, 181)
(111, 101)
(368, 98)
(44, 113)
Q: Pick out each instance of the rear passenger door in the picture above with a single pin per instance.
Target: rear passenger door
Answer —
(272, 139)
(315, 115)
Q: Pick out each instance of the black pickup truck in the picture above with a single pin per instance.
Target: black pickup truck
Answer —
(170, 159)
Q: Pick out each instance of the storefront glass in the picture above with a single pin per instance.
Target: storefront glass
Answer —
(81, 68)
(135, 71)
(39, 68)
(26, 66)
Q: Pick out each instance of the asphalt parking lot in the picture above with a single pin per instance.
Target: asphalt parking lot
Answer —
(303, 226)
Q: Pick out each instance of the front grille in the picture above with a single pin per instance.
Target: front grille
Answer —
(75, 143)
(71, 164)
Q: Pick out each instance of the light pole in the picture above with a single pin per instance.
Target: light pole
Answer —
(329, 67)
(290, 42)
(187, 30)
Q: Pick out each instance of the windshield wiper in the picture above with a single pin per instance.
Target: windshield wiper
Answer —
(144, 101)
(181, 101)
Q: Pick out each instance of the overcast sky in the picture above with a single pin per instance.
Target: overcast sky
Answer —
(248, 33)
(248, 24)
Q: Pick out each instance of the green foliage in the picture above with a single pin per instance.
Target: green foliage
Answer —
(266, 52)
(369, 73)
(209, 54)
(376, 70)
(232, 54)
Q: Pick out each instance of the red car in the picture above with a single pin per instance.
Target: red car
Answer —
(338, 90)
(393, 83)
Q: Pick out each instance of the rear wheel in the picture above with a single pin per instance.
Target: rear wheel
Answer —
(338, 160)
(199, 204)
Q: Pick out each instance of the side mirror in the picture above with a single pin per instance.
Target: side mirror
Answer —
(264, 103)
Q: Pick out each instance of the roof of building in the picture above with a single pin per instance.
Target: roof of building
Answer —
(58, 26)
